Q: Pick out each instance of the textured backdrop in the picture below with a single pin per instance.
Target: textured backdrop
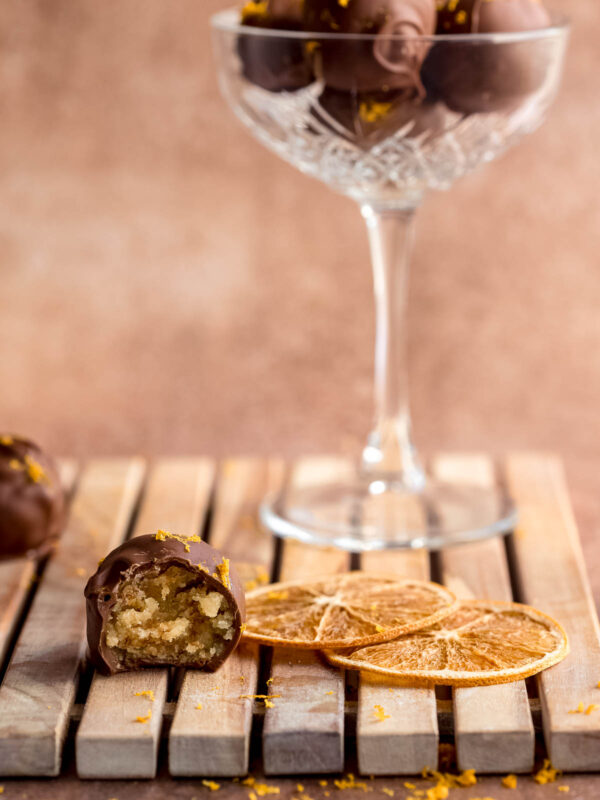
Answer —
(168, 286)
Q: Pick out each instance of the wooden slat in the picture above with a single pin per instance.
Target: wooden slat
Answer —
(41, 680)
(214, 740)
(304, 731)
(18, 575)
(552, 576)
(110, 742)
(407, 741)
(493, 728)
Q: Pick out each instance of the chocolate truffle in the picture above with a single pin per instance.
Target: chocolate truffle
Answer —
(163, 599)
(367, 118)
(490, 16)
(275, 63)
(378, 64)
(32, 503)
(490, 76)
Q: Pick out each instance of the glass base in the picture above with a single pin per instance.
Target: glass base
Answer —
(361, 516)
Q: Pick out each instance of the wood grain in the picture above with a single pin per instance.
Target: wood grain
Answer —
(210, 734)
(304, 731)
(552, 577)
(407, 741)
(18, 575)
(110, 742)
(41, 680)
(493, 728)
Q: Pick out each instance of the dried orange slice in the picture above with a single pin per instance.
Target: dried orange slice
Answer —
(346, 610)
(479, 643)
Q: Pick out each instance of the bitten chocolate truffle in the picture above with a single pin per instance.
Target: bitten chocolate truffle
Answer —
(377, 64)
(492, 76)
(275, 63)
(163, 599)
(32, 503)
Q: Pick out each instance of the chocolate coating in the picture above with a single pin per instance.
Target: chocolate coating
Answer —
(32, 502)
(275, 63)
(142, 554)
(489, 77)
(372, 65)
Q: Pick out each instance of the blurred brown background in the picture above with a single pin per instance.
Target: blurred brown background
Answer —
(168, 286)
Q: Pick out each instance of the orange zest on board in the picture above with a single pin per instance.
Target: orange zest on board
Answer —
(266, 698)
(448, 780)
(479, 644)
(146, 693)
(350, 782)
(380, 714)
(547, 773)
(355, 608)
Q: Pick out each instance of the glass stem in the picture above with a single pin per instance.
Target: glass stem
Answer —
(389, 455)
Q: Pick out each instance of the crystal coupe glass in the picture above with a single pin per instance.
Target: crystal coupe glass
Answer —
(480, 94)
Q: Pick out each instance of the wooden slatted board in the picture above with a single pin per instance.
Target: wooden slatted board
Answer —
(209, 721)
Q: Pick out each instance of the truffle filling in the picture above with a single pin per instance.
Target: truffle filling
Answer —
(169, 617)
